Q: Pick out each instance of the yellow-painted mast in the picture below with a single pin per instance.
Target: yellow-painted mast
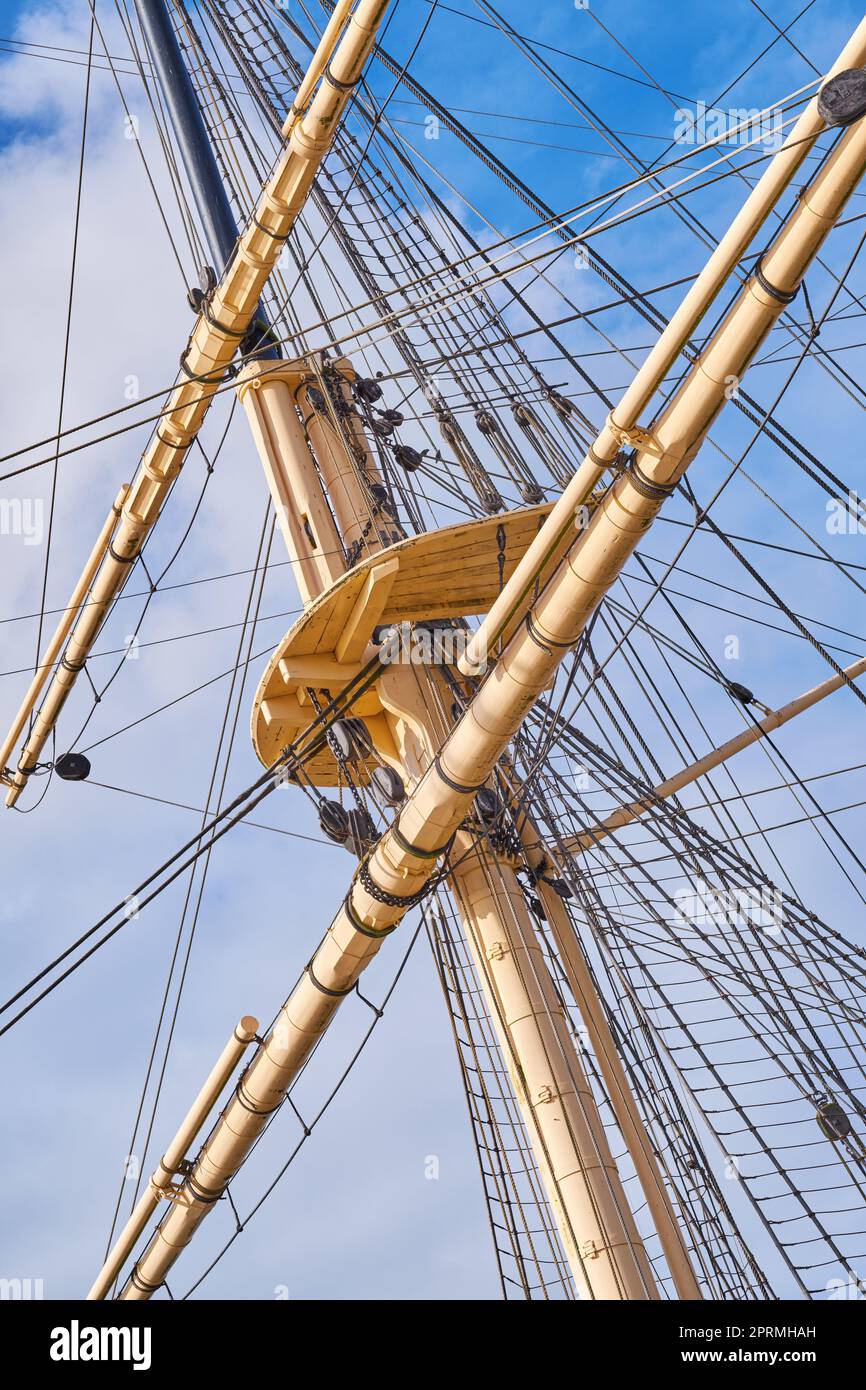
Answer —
(606, 1259)
(444, 769)
(220, 327)
(772, 720)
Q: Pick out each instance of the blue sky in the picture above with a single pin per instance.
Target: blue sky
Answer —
(356, 1215)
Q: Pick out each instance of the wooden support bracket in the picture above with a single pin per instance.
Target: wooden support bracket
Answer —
(368, 609)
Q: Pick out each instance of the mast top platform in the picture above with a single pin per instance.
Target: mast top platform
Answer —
(450, 573)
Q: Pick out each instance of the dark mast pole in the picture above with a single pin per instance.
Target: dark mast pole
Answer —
(199, 162)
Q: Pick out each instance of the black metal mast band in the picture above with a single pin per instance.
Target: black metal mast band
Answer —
(142, 1284)
(274, 236)
(414, 849)
(376, 933)
(201, 1194)
(647, 487)
(203, 379)
(323, 989)
(781, 296)
(169, 444)
(253, 1109)
(449, 782)
(238, 333)
(546, 644)
(339, 86)
(121, 559)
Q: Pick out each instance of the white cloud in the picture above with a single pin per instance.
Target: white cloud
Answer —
(75, 1066)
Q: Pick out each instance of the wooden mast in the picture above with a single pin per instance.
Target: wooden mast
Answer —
(222, 324)
(772, 720)
(444, 770)
(400, 867)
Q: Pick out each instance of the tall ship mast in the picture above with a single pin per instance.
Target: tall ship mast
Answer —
(501, 698)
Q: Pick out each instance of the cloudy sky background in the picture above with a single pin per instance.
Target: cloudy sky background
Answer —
(355, 1215)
